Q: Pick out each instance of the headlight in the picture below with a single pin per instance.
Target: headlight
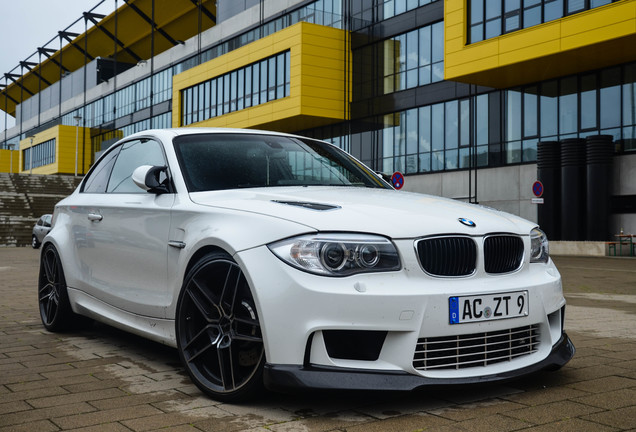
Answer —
(338, 254)
(540, 250)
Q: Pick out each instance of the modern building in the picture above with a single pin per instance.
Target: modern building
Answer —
(467, 98)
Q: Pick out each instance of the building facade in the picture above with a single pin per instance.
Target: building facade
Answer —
(462, 96)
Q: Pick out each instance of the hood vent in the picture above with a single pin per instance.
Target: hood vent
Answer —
(309, 205)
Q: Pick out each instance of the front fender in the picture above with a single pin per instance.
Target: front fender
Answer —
(201, 227)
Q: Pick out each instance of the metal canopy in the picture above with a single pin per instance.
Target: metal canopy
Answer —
(125, 34)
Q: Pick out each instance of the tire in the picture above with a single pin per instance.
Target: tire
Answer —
(218, 331)
(55, 309)
(35, 244)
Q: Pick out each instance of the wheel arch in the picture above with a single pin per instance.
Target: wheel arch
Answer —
(197, 255)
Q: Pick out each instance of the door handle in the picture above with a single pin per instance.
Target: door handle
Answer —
(94, 217)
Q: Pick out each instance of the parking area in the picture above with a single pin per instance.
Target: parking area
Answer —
(101, 379)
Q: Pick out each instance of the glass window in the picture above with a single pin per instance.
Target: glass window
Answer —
(280, 76)
(226, 93)
(263, 83)
(549, 109)
(438, 51)
(213, 97)
(132, 155)
(248, 86)
(530, 107)
(412, 57)
(464, 121)
(97, 178)
(425, 55)
(610, 98)
(513, 115)
(287, 73)
(629, 97)
(552, 9)
(493, 28)
(531, 13)
(109, 107)
(271, 79)
(437, 127)
(477, 11)
(256, 74)
(482, 119)
(451, 124)
(411, 132)
(240, 90)
(588, 102)
(568, 106)
(425, 129)
(575, 6)
(233, 90)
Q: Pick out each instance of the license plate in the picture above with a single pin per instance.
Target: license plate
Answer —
(487, 307)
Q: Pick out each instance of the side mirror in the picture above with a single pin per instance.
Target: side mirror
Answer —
(148, 178)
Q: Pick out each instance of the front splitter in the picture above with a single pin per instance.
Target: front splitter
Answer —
(286, 378)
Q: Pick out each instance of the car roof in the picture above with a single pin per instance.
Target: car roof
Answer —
(173, 132)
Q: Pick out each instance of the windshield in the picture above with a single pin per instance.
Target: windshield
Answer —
(230, 161)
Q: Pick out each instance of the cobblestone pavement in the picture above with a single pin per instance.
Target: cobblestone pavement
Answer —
(101, 379)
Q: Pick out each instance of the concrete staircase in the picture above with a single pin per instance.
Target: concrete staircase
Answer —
(24, 198)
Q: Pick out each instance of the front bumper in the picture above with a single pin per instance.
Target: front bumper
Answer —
(290, 377)
(384, 318)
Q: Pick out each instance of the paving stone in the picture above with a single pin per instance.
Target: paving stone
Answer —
(409, 422)
(32, 394)
(476, 411)
(611, 399)
(545, 395)
(22, 417)
(91, 396)
(156, 399)
(497, 422)
(552, 412)
(108, 427)
(623, 418)
(602, 385)
(571, 425)
(39, 426)
(103, 417)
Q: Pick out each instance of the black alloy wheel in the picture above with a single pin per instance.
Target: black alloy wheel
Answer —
(55, 309)
(218, 331)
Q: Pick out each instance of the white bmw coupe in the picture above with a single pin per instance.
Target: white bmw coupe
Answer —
(277, 260)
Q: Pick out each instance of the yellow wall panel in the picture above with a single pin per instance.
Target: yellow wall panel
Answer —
(65, 141)
(543, 33)
(317, 73)
(9, 161)
(593, 39)
(598, 18)
(599, 35)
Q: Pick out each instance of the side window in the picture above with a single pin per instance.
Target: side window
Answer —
(132, 155)
(98, 177)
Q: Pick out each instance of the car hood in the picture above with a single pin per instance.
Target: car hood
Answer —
(391, 213)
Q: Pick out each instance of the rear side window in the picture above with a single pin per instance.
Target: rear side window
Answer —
(98, 177)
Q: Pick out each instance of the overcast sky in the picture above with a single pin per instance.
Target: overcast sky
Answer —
(26, 25)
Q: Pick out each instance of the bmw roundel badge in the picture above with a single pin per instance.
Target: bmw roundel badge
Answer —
(467, 222)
